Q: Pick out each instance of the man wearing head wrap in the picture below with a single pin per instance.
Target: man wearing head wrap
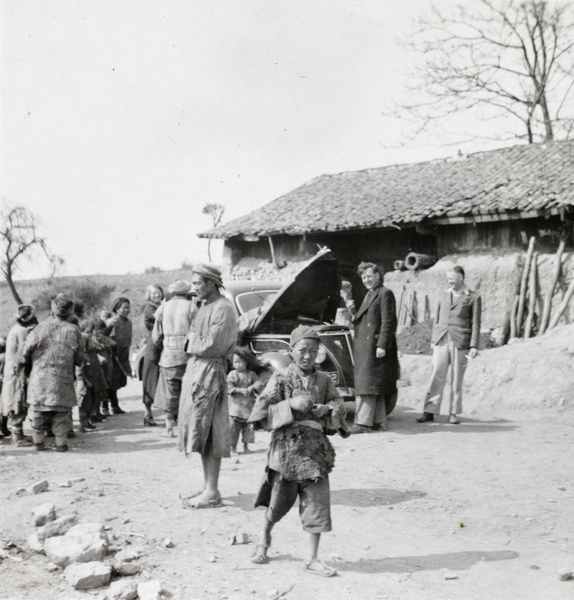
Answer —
(204, 414)
(172, 321)
(300, 406)
(14, 407)
(50, 354)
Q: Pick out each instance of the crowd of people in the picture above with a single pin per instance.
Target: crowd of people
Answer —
(216, 392)
(65, 361)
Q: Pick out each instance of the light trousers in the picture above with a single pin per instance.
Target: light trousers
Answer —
(446, 355)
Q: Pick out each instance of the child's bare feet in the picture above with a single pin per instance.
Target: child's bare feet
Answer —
(246, 449)
(320, 568)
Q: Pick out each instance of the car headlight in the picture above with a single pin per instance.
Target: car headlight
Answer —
(321, 354)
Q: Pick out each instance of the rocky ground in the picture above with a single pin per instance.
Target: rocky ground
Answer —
(474, 511)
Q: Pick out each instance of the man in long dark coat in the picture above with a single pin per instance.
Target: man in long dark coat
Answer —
(375, 350)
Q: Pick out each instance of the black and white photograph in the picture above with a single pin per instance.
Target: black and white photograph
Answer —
(287, 299)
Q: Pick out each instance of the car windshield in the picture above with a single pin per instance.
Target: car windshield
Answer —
(248, 301)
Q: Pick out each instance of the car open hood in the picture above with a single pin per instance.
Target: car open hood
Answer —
(313, 293)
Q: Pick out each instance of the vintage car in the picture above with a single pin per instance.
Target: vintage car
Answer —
(267, 312)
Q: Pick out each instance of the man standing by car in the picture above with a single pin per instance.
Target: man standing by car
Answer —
(376, 357)
(455, 339)
(204, 415)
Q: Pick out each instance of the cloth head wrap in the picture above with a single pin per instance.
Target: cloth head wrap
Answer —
(303, 332)
(62, 306)
(179, 286)
(209, 272)
(25, 313)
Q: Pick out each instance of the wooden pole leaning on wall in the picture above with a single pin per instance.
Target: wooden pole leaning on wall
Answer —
(400, 310)
(532, 291)
(514, 294)
(550, 294)
(272, 249)
(565, 301)
(524, 286)
(513, 310)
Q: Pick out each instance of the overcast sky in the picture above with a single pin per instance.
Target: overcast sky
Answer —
(121, 119)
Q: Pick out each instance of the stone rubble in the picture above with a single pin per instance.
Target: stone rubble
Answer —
(58, 527)
(88, 575)
(86, 542)
(123, 589)
(35, 544)
(38, 487)
(44, 514)
(149, 590)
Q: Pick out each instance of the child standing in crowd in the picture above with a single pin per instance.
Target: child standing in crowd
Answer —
(92, 387)
(121, 334)
(299, 405)
(14, 406)
(243, 385)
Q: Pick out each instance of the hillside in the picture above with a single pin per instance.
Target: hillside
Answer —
(132, 286)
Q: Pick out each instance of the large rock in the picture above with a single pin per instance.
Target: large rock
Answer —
(123, 589)
(82, 543)
(88, 575)
(44, 514)
(149, 590)
(58, 527)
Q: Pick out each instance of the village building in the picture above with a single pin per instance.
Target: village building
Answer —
(479, 210)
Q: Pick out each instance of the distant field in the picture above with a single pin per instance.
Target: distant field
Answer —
(131, 286)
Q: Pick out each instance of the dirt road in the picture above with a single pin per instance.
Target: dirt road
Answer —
(483, 510)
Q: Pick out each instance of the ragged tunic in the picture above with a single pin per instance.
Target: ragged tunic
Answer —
(203, 412)
(53, 350)
(14, 385)
(299, 447)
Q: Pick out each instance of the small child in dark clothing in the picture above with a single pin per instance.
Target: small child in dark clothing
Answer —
(243, 385)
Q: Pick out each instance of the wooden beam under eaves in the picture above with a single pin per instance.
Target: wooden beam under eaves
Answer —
(494, 217)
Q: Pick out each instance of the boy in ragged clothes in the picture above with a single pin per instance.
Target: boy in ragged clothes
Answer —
(300, 405)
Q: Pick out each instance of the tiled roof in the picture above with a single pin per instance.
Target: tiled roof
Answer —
(511, 180)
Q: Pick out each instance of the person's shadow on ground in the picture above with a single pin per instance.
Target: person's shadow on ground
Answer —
(356, 497)
(403, 421)
(453, 561)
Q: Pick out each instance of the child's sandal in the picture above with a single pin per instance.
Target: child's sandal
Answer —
(260, 555)
(318, 567)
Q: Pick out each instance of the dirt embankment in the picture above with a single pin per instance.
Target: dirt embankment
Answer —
(532, 374)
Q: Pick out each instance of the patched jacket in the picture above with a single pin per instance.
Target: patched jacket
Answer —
(51, 352)
(299, 447)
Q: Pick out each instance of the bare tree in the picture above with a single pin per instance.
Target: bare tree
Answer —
(215, 211)
(495, 59)
(21, 241)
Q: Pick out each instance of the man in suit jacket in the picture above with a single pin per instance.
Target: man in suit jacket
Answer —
(455, 339)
